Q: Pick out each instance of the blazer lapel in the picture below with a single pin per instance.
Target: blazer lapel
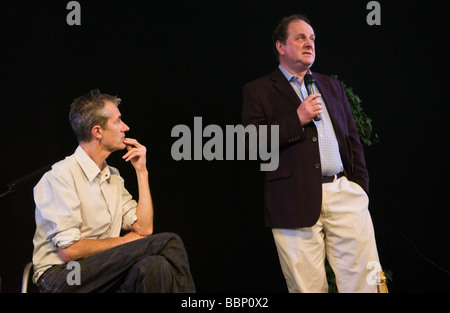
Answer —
(281, 84)
(325, 93)
(330, 102)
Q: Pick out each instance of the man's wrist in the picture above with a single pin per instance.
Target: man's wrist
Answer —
(143, 171)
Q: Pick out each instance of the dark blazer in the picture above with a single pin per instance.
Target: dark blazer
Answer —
(293, 192)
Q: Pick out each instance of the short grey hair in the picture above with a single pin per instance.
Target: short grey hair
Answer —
(88, 111)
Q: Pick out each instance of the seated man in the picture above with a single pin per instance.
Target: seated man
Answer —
(82, 206)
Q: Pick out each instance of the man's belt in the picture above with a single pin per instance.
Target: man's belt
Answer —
(330, 179)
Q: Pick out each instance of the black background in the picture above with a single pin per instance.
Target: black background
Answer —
(175, 60)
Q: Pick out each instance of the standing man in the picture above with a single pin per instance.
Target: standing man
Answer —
(82, 206)
(316, 201)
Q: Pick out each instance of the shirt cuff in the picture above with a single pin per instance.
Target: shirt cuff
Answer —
(129, 219)
(66, 238)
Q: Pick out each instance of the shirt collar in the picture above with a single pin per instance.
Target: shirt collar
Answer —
(89, 167)
(288, 75)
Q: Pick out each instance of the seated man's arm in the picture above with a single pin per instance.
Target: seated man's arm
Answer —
(86, 247)
(137, 155)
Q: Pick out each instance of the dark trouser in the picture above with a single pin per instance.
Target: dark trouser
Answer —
(157, 263)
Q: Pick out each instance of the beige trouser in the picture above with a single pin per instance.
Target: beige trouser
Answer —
(343, 234)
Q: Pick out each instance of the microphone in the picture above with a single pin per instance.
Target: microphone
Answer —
(311, 88)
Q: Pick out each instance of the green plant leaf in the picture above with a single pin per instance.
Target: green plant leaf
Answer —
(362, 121)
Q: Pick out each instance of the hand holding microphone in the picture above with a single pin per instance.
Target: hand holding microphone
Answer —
(311, 88)
(311, 107)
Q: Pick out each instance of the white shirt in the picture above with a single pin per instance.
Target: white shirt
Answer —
(330, 158)
(76, 200)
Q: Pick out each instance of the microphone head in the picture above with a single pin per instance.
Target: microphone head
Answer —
(308, 79)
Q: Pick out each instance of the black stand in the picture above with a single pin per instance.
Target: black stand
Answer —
(13, 186)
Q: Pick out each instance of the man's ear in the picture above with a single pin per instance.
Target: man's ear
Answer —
(280, 47)
(97, 132)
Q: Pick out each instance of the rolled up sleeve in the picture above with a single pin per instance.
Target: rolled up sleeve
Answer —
(66, 238)
(59, 209)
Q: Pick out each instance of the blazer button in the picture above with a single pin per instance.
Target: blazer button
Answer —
(314, 138)
(317, 165)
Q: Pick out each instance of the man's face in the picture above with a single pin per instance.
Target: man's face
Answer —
(114, 133)
(299, 49)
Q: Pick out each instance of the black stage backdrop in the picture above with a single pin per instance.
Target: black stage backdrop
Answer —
(174, 60)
